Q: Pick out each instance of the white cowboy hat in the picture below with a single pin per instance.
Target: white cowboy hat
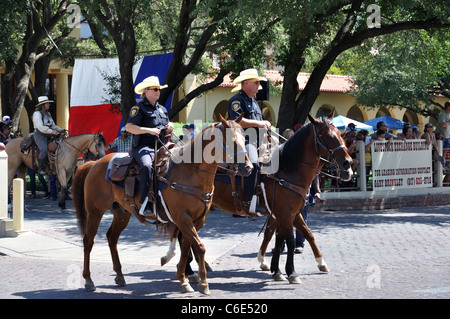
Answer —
(43, 100)
(151, 81)
(236, 88)
(247, 75)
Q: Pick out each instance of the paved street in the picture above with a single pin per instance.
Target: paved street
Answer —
(400, 253)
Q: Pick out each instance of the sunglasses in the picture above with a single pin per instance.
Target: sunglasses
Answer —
(154, 89)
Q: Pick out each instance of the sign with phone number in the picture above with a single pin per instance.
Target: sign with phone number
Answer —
(401, 164)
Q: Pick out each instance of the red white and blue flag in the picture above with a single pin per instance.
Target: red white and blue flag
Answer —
(89, 113)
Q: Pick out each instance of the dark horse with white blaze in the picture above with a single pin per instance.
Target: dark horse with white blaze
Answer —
(187, 198)
(300, 159)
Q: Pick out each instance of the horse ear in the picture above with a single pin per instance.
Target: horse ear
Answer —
(312, 119)
(237, 120)
(224, 122)
(331, 115)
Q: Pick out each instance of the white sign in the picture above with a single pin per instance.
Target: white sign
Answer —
(401, 164)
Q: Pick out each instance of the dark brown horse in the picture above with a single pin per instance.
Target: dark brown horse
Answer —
(300, 159)
(187, 198)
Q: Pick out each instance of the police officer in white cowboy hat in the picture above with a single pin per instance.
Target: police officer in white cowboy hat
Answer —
(148, 119)
(44, 128)
(244, 102)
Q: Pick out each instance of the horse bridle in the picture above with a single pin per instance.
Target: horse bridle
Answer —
(318, 141)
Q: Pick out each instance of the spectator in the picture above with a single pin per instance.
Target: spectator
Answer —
(192, 132)
(122, 143)
(383, 127)
(443, 126)
(407, 132)
(6, 120)
(430, 137)
(350, 143)
(5, 134)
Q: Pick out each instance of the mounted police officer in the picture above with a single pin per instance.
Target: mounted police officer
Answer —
(147, 121)
(244, 102)
(44, 128)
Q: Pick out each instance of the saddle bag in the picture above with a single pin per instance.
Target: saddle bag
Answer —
(120, 168)
(26, 144)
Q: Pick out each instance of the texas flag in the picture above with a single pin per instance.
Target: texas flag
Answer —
(89, 110)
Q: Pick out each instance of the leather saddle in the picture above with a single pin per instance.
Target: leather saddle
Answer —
(126, 169)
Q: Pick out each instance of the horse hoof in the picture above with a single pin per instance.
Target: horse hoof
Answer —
(204, 289)
(120, 281)
(264, 266)
(186, 288)
(279, 277)
(89, 286)
(323, 268)
(195, 279)
(321, 264)
(294, 279)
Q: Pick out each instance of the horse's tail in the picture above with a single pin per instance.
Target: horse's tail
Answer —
(78, 194)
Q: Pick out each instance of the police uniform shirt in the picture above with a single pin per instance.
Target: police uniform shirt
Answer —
(242, 103)
(148, 115)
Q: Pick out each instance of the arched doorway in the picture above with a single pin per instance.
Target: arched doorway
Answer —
(325, 110)
(355, 113)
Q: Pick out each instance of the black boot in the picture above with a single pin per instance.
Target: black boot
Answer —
(41, 167)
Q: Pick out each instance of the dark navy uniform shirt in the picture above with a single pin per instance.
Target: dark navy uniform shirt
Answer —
(148, 115)
(242, 103)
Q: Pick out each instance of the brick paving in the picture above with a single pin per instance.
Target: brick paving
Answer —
(397, 253)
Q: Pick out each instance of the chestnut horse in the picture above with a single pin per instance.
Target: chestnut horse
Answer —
(62, 161)
(300, 159)
(188, 198)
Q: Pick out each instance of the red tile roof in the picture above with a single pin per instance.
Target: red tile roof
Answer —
(331, 83)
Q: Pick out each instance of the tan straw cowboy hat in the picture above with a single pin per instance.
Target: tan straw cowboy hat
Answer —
(248, 75)
(43, 100)
(151, 81)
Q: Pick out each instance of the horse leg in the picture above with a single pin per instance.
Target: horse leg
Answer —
(268, 233)
(92, 223)
(290, 270)
(185, 248)
(119, 223)
(274, 264)
(190, 238)
(301, 226)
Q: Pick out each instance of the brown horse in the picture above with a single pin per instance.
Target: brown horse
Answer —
(187, 198)
(300, 159)
(62, 161)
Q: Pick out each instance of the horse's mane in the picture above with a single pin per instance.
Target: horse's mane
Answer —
(292, 151)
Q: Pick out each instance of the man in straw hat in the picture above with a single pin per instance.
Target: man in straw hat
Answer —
(244, 102)
(148, 120)
(44, 128)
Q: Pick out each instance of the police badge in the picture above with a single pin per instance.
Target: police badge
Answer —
(134, 111)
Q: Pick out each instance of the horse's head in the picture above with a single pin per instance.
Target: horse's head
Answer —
(329, 144)
(234, 142)
(98, 145)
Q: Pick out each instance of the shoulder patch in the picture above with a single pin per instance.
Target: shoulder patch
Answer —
(134, 111)
(236, 106)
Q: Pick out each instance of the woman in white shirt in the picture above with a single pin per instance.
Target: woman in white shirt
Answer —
(44, 128)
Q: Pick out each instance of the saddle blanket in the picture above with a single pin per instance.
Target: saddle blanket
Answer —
(121, 184)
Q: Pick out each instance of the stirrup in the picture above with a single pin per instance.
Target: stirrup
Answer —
(145, 212)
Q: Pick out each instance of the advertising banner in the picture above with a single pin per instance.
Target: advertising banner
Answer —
(401, 164)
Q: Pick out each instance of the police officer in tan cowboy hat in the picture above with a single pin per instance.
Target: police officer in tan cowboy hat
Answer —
(44, 128)
(148, 120)
(244, 102)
